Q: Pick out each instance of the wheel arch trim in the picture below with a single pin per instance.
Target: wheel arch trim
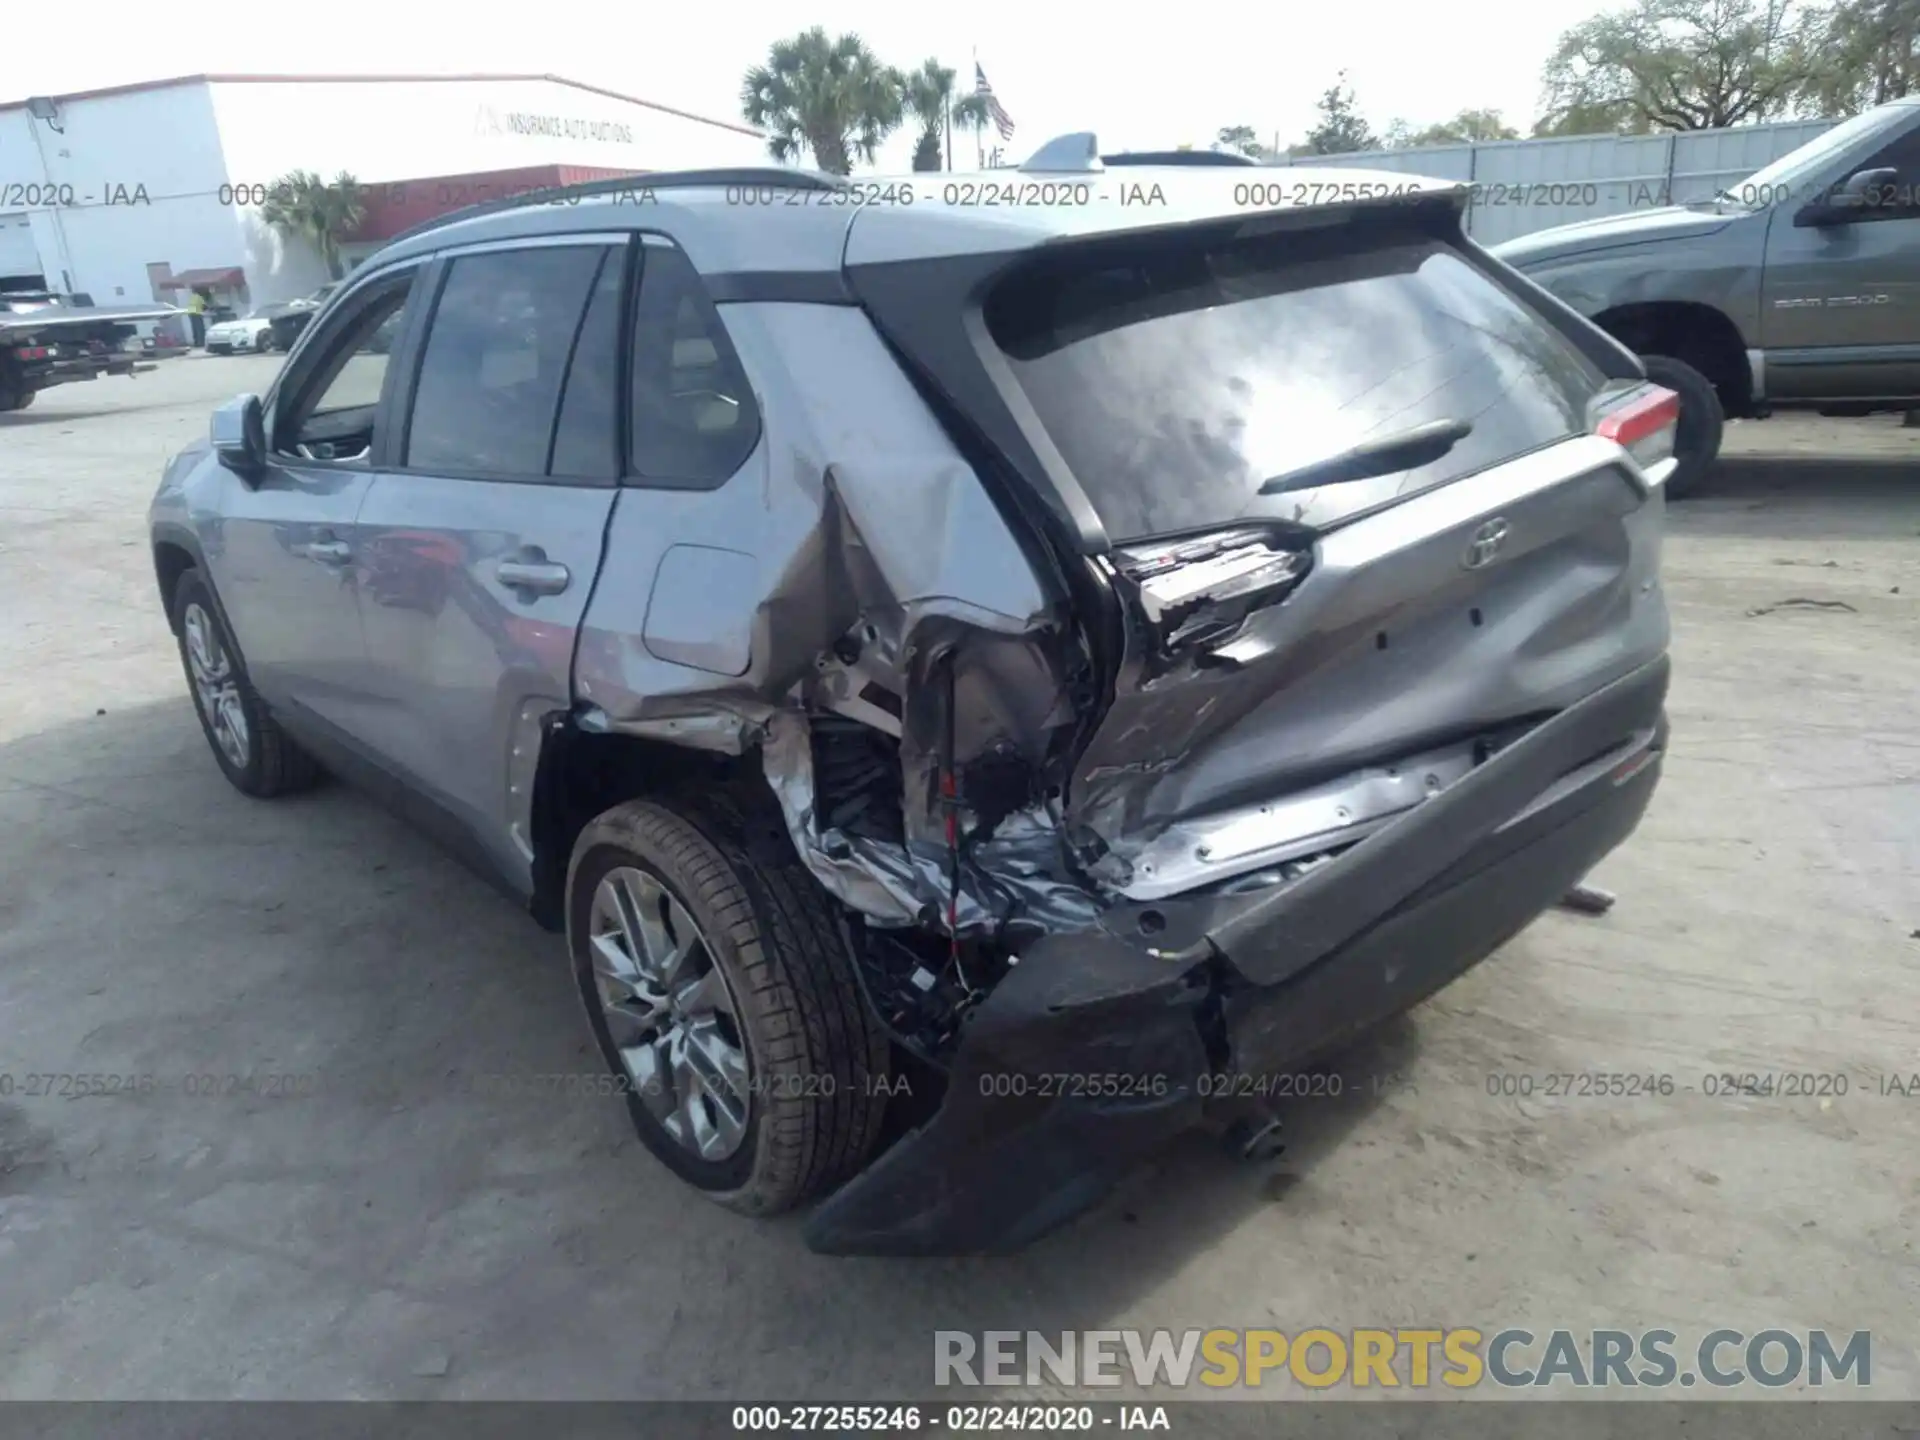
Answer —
(166, 533)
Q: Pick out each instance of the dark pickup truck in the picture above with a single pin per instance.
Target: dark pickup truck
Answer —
(48, 339)
(1797, 288)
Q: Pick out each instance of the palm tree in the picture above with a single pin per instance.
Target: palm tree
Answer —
(831, 97)
(933, 105)
(302, 206)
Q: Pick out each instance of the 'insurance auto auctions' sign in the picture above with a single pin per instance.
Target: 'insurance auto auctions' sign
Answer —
(558, 127)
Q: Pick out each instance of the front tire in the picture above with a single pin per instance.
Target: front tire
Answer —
(724, 1001)
(253, 752)
(1702, 421)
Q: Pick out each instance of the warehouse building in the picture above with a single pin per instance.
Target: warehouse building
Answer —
(152, 191)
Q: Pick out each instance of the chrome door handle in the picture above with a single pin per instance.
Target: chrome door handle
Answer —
(330, 552)
(537, 577)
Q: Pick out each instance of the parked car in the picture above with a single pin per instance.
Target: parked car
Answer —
(252, 334)
(160, 341)
(981, 690)
(1798, 288)
(291, 316)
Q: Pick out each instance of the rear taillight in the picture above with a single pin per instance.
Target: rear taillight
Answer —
(31, 352)
(1643, 423)
(1199, 590)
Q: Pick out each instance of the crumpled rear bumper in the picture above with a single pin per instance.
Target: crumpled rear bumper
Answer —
(1089, 1055)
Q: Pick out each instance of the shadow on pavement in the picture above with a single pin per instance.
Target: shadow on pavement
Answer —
(1761, 496)
(154, 922)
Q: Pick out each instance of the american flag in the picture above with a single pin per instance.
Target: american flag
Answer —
(1002, 121)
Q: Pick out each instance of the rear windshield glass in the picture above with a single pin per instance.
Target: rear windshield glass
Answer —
(1175, 379)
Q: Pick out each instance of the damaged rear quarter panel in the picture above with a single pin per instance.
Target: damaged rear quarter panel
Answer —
(854, 515)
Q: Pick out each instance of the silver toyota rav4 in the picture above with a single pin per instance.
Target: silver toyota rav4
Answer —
(984, 675)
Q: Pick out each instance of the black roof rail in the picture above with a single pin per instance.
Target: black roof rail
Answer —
(759, 176)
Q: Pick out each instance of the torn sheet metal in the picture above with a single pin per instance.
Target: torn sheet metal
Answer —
(857, 509)
(724, 732)
(855, 552)
(1018, 876)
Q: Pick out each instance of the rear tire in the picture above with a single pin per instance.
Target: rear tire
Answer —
(1702, 421)
(812, 1093)
(253, 752)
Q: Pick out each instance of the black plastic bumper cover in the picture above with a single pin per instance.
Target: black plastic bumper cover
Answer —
(1088, 1056)
(1028, 1135)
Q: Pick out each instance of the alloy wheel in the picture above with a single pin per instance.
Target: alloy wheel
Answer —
(669, 1012)
(216, 686)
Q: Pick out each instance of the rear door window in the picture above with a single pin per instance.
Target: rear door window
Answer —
(586, 440)
(694, 421)
(499, 348)
(1176, 377)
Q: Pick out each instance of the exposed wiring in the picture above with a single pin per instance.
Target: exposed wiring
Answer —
(950, 798)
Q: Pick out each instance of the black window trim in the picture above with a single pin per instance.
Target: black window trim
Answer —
(629, 477)
(1894, 214)
(440, 268)
(314, 347)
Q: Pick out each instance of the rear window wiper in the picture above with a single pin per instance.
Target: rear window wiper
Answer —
(1390, 454)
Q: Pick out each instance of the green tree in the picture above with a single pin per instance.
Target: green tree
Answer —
(1592, 120)
(930, 99)
(1682, 65)
(1240, 139)
(1868, 53)
(1467, 128)
(301, 206)
(1341, 130)
(828, 96)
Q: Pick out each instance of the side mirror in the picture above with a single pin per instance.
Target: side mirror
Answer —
(1842, 204)
(239, 434)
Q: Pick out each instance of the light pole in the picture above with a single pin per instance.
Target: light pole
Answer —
(44, 109)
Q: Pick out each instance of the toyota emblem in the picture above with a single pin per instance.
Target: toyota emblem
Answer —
(1485, 544)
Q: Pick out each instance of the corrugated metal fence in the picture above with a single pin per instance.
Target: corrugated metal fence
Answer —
(1528, 185)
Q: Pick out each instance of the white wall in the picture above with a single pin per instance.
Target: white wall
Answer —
(394, 130)
(19, 254)
(162, 142)
(183, 143)
(402, 130)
